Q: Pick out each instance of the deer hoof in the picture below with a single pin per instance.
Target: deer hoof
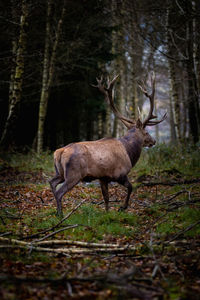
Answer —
(59, 214)
(122, 208)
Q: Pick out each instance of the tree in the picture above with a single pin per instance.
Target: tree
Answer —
(16, 78)
(48, 70)
(193, 93)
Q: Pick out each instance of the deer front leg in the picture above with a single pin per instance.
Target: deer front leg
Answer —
(104, 189)
(125, 182)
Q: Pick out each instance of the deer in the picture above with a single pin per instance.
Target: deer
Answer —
(106, 159)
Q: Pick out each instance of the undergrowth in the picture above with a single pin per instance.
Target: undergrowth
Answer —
(31, 161)
(92, 224)
(169, 159)
(161, 158)
(152, 218)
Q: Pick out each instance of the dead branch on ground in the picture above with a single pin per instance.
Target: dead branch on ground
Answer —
(170, 183)
(58, 224)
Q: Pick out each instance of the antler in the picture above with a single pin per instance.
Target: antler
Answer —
(148, 120)
(108, 93)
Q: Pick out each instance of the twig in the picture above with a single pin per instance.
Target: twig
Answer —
(69, 214)
(67, 250)
(170, 183)
(9, 215)
(5, 233)
(53, 227)
(173, 196)
(32, 246)
(41, 199)
(76, 243)
(176, 206)
(2, 220)
(179, 204)
(57, 231)
(157, 265)
(184, 231)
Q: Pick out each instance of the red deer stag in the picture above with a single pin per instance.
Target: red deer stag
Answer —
(107, 159)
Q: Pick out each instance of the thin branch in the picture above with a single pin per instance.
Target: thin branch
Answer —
(76, 243)
(58, 224)
(173, 196)
(171, 183)
(157, 265)
(55, 232)
(184, 231)
(5, 233)
(68, 250)
(33, 246)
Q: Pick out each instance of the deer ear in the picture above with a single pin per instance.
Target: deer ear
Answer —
(139, 124)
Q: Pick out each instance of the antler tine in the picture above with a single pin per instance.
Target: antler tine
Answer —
(111, 84)
(100, 86)
(129, 123)
(109, 99)
(151, 96)
(152, 123)
(143, 88)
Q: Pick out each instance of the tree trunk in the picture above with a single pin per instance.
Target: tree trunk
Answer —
(193, 105)
(196, 8)
(48, 73)
(12, 72)
(107, 123)
(15, 90)
(184, 88)
(122, 92)
(175, 101)
(45, 91)
(172, 127)
(157, 126)
(100, 125)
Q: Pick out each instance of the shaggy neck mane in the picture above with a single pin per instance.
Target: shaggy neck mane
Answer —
(133, 145)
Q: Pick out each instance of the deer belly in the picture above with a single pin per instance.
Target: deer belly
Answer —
(105, 167)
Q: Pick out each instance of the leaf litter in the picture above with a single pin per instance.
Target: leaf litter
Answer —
(155, 269)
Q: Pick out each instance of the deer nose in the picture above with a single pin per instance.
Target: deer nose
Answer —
(152, 143)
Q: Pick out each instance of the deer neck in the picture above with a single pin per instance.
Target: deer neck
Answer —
(132, 142)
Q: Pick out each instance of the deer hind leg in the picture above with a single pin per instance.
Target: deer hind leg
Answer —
(57, 179)
(61, 191)
(104, 189)
(125, 182)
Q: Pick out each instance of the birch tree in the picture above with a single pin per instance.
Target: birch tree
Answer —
(48, 70)
(174, 102)
(16, 78)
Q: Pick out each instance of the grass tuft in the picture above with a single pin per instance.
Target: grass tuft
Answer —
(177, 160)
(98, 224)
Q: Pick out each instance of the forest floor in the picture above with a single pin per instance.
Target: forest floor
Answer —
(151, 251)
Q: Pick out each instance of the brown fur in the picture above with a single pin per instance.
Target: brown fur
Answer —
(106, 159)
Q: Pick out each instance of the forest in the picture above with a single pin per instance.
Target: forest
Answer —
(88, 70)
